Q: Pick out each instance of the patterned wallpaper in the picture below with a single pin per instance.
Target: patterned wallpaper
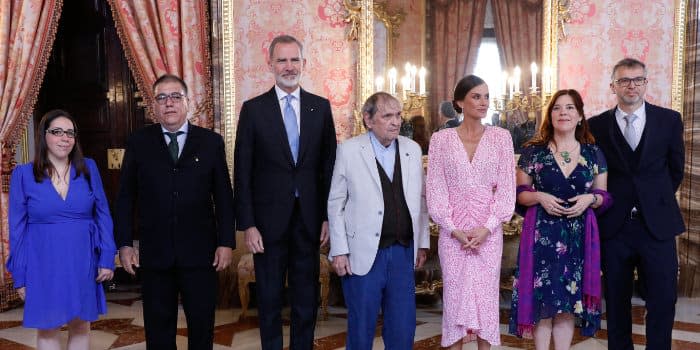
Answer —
(601, 32)
(318, 24)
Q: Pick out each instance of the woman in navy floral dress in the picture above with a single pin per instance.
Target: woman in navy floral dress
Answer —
(561, 175)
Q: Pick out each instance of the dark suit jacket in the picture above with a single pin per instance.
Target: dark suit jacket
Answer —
(265, 174)
(185, 209)
(656, 179)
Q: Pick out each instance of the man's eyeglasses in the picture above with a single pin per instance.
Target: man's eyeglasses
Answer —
(176, 97)
(624, 82)
(58, 132)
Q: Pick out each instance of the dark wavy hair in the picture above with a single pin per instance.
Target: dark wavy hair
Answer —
(463, 87)
(546, 131)
(43, 168)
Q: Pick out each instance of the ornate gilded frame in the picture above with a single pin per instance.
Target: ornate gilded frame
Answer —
(228, 80)
(677, 79)
(391, 22)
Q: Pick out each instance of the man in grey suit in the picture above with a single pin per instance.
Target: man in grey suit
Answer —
(379, 226)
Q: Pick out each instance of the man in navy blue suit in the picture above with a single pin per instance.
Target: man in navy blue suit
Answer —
(643, 144)
(285, 149)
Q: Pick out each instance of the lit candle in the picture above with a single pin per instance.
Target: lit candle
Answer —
(516, 78)
(380, 83)
(421, 81)
(511, 83)
(414, 73)
(392, 80)
(504, 88)
(533, 70)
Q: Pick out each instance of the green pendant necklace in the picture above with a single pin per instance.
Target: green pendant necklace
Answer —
(566, 156)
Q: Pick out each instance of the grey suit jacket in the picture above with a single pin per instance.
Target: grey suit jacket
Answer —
(356, 203)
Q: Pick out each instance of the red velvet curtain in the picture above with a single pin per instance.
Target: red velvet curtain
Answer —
(518, 27)
(27, 31)
(456, 35)
(170, 37)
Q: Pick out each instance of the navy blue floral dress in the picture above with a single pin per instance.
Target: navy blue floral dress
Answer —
(559, 241)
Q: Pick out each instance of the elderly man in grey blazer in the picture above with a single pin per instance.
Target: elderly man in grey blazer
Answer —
(379, 226)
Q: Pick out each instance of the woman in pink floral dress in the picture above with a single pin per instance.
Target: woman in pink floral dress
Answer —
(470, 191)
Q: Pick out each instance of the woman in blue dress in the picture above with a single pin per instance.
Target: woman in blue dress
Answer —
(61, 243)
(561, 176)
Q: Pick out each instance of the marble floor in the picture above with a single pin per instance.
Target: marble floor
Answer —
(122, 328)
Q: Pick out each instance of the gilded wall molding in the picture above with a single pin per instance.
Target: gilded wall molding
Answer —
(361, 19)
(677, 80)
(551, 33)
(228, 103)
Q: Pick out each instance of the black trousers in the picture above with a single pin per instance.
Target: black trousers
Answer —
(295, 257)
(161, 288)
(657, 262)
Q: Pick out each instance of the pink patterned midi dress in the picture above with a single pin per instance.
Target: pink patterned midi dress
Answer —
(466, 195)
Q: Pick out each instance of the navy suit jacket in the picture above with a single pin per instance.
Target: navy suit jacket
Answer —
(654, 181)
(265, 176)
(185, 208)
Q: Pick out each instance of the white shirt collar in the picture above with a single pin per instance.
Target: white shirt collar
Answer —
(639, 112)
(184, 128)
(281, 93)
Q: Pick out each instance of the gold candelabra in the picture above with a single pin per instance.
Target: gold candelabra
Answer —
(412, 101)
(528, 104)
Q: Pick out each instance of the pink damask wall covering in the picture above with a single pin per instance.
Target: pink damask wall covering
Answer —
(318, 24)
(601, 32)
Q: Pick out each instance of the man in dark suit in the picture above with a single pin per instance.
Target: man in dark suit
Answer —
(175, 173)
(643, 145)
(285, 148)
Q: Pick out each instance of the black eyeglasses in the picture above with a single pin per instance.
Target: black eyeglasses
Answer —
(176, 97)
(60, 132)
(638, 81)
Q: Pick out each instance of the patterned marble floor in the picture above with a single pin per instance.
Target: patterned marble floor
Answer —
(122, 328)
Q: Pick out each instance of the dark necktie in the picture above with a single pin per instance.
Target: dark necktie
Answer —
(173, 146)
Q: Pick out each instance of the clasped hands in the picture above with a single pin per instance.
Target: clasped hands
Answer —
(555, 206)
(471, 238)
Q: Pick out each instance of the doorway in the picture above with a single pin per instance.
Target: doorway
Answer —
(88, 76)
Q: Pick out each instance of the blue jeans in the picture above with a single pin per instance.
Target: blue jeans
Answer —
(389, 285)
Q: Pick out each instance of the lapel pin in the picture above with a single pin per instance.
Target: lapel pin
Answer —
(196, 159)
(311, 109)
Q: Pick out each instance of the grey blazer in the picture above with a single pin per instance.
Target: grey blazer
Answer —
(356, 203)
